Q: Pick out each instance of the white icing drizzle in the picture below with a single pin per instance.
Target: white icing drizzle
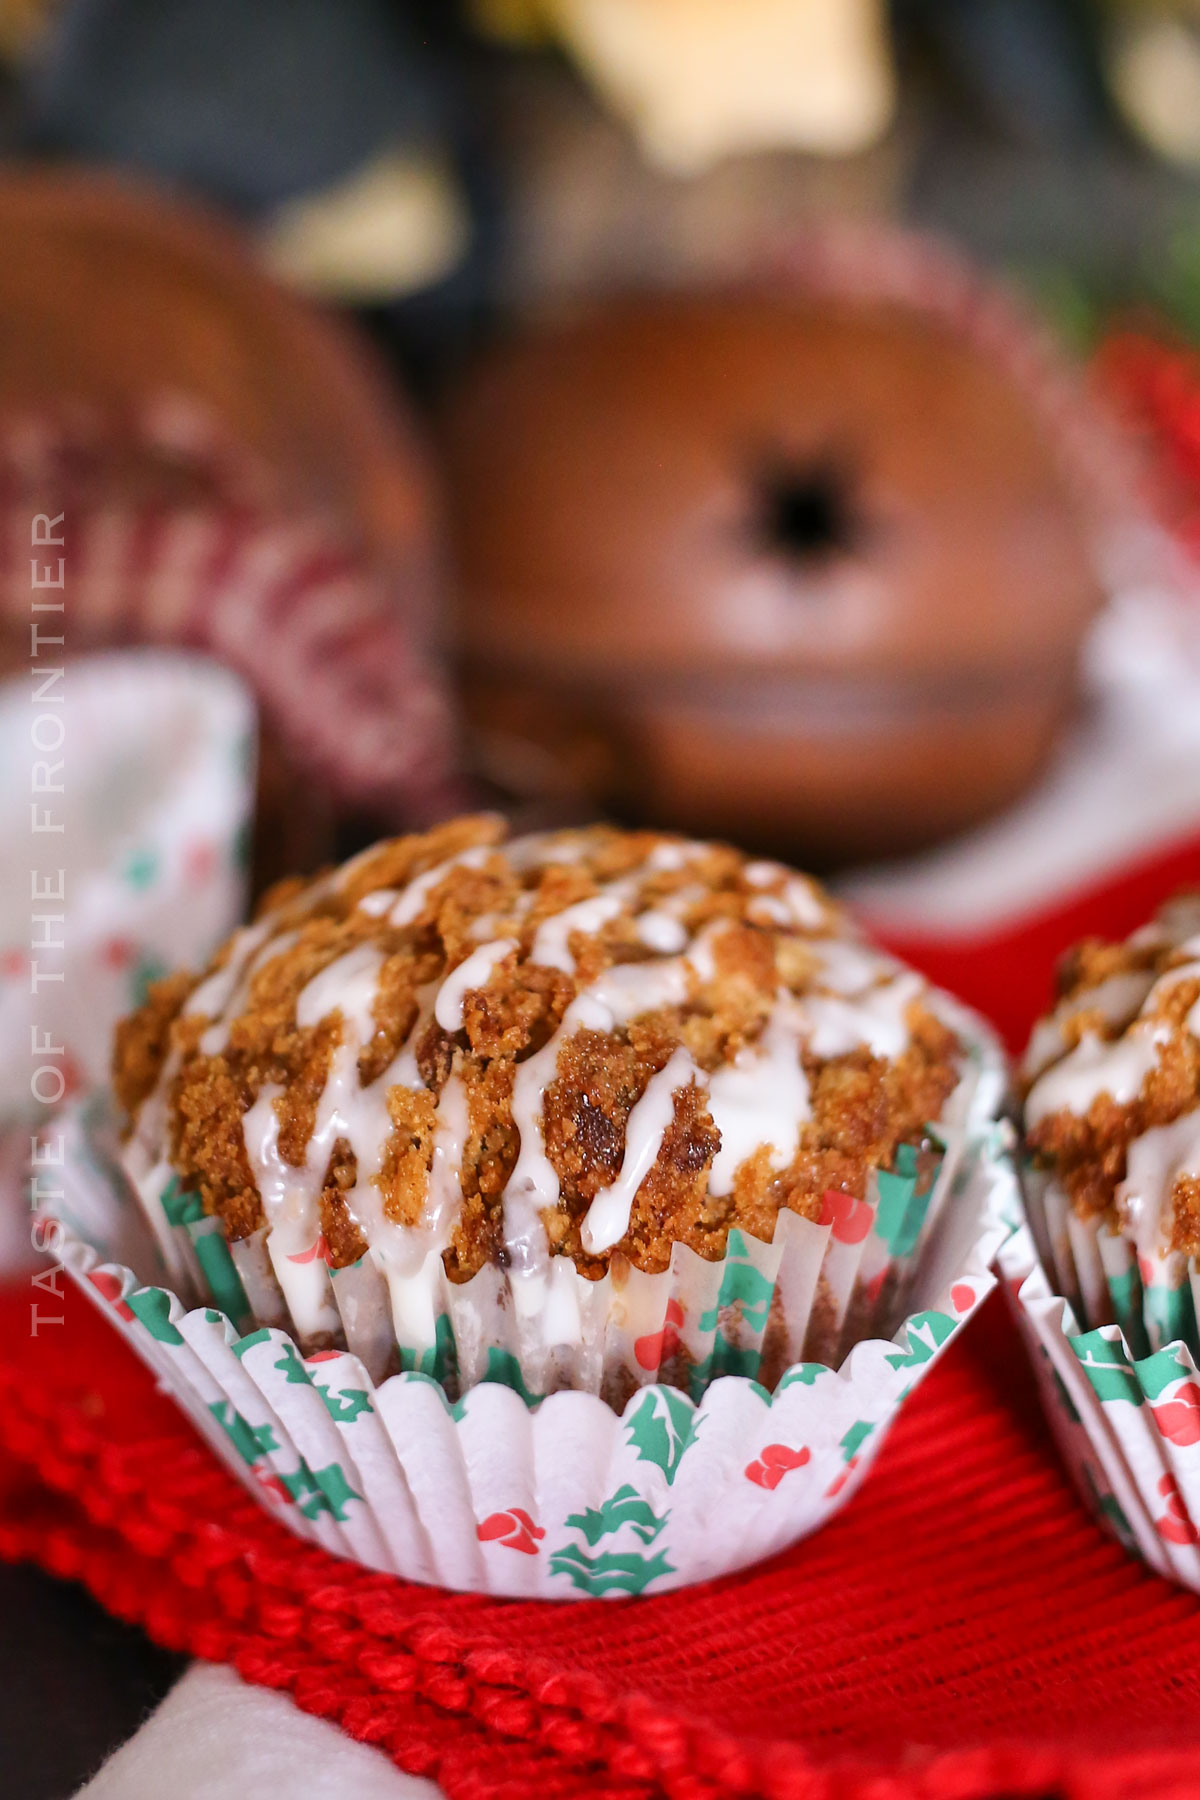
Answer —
(347, 985)
(1095, 1067)
(449, 1145)
(473, 973)
(622, 993)
(768, 909)
(607, 1218)
(1154, 1163)
(761, 1098)
(213, 995)
(848, 967)
(411, 901)
(875, 1018)
(762, 874)
(660, 930)
(551, 946)
(669, 858)
(543, 849)
(223, 996)
(1118, 1000)
(802, 902)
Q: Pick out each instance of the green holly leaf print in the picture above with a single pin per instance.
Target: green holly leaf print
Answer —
(1156, 1373)
(627, 1573)
(141, 868)
(743, 1286)
(503, 1366)
(440, 1361)
(661, 1427)
(625, 1507)
(145, 972)
(347, 1405)
(153, 1307)
(904, 1196)
(321, 1490)
(1106, 1366)
(927, 1332)
(180, 1208)
(220, 1271)
(1170, 1312)
(291, 1367)
(250, 1441)
(805, 1373)
(857, 1435)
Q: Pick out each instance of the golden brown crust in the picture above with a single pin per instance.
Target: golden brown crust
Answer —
(863, 1106)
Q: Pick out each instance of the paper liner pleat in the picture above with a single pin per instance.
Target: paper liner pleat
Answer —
(844, 1280)
(1121, 1393)
(570, 1495)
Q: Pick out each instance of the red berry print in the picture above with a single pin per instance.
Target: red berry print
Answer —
(270, 1482)
(841, 1478)
(514, 1529)
(657, 1347)
(851, 1219)
(109, 1287)
(315, 1252)
(117, 952)
(962, 1296)
(874, 1287)
(13, 964)
(199, 861)
(776, 1461)
(1179, 1419)
(1175, 1524)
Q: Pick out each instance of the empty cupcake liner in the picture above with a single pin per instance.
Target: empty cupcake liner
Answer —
(810, 1294)
(1114, 1347)
(567, 1495)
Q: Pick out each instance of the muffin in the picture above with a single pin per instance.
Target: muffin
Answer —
(810, 569)
(586, 1109)
(1112, 1129)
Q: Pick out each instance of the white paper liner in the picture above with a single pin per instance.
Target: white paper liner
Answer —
(1121, 1392)
(567, 1496)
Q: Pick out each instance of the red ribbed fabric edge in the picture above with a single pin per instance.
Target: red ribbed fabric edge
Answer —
(962, 1630)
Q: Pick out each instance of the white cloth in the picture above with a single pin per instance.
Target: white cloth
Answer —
(216, 1738)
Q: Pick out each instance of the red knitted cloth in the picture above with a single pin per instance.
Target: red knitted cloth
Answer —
(963, 1629)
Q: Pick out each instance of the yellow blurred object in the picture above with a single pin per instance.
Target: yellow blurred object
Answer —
(699, 80)
(1154, 69)
(526, 22)
(395, 225)
(22, 24)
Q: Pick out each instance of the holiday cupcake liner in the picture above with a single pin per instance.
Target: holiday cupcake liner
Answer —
(1114, 1347)
(567, 1495)
(811, 1293)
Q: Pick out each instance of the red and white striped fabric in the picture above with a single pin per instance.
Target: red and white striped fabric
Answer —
(173, 538)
